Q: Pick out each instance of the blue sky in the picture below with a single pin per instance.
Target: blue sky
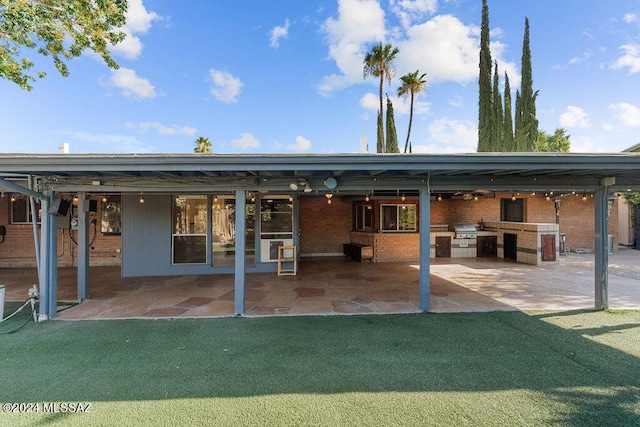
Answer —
(285, 76)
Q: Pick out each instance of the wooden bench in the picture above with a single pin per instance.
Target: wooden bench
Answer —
(358, 252)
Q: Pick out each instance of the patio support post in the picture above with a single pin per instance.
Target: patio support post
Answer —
(424, 281)
(43, 270)
(241, 201)
(53, 266)
(601, 248)
(36, 238)
(83, 247)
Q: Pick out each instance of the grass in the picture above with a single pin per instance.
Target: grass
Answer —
(498, 368)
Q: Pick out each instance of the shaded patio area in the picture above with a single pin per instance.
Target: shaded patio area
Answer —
(336, 286)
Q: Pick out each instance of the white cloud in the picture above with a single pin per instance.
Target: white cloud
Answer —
(161, 129)
(302, 144)
(452, 53)
(584, 144)
(409, 11)
(131, 84)
(225, 87)
(359, 22)
(627, 114)
(630, 18)
(278, 33)
(139, 21)
(630, 59)
(574, 117)
(450, 136)
(107, 143)
(245, 142)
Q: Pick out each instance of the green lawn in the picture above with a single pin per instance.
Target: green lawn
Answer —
(500, 368)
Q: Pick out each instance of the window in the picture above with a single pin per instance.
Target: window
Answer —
(364, 217)
(223, 229)
(398, 218)
(111, 220)
(190, 229)
(21, 210)
(512, 210)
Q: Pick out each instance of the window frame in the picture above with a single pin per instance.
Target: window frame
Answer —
(26, 200)
(364, 222)
(397, 228)
(178, 235)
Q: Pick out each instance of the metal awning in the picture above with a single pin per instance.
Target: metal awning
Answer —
(353, 172)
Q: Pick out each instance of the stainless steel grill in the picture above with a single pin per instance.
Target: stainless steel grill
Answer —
(465, 231)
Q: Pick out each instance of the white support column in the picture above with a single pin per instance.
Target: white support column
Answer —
(241, 202)
(424, 281)
(83, 247)
(601, 248)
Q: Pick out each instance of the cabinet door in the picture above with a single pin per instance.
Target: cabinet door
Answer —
(548, 247)
(443, 247)
(487, 246)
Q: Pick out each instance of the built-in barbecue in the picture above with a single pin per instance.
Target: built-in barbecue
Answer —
(465, 231)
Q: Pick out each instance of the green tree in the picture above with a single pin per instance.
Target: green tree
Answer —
(526, 123)
(412, 85)
(557, 143)
(380, 135)
(497, 141)
(392, 135)
(507, 124)
(484, 100)
(379, 63)
(203, 145)
(62, 29)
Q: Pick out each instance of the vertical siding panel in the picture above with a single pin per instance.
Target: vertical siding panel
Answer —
(146, 235)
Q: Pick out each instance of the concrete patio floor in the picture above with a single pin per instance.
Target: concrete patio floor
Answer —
(337, 286)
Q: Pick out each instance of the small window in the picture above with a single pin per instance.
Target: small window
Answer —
(21, 210)
(364, 217)
(512, 210)
(398, 218)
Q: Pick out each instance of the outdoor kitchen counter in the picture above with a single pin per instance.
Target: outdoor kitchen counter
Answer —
(527, 242)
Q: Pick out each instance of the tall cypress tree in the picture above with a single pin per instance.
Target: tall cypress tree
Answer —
(392, 135)
(497, 139)
(484, 100)
(526, 124)
(507, 127)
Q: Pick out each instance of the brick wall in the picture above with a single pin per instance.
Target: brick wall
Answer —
(323, 227)
(390, 247)
(577, 221)
(18, 249)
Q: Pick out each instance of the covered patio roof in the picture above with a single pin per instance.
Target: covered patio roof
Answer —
(353, 172)
(342, 174)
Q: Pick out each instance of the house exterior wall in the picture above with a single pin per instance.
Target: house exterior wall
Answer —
(323, 230)
(577, 222)
(323, 227)
(18, 249)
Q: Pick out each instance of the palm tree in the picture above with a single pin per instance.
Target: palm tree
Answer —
(379, 63)
(203, 145)
(411, 86)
